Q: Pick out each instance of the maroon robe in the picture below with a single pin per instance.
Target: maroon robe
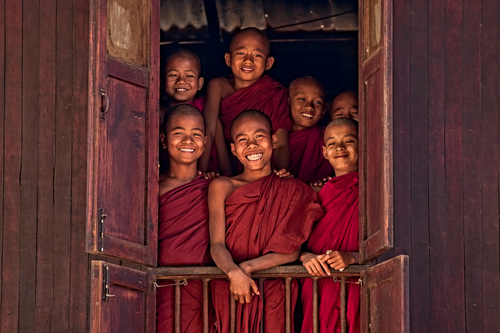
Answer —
(265, 95)
(338, 230)
(307, 162)
(271, 214)
(183, 240)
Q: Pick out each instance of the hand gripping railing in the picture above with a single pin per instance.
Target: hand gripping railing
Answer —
(205, 273)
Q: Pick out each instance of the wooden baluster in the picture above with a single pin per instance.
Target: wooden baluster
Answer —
(177, 306)
(315, 305)
(343, 310)
(205, 306)
(288, 305)
(261, 291)
(233, 314)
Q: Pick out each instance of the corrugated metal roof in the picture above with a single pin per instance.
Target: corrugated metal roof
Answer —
(187, 19)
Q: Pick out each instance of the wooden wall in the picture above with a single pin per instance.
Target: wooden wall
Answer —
(446, 161)
(43, 112)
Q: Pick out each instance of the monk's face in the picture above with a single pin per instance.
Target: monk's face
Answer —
(307, 104)
(345, 105)
(184, 138)
(341, 148)
(182, 79)
(253, 143)
(248, 56)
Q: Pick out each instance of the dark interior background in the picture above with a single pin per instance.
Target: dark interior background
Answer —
(316, 37)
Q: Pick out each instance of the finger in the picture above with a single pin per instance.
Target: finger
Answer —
(319, 268)
(325, 267)
(254, 287)
(313, 269)
(242, 299)
(309, 270)
(248, 298)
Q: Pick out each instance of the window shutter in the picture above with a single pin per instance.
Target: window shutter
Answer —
(385, 297)
(375, 103)
(123, 299)
(123, 130)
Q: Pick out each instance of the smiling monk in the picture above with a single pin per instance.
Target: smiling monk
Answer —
(183, 215)
(307, 106)
(334, 241)
(257, 220)
(248, 88)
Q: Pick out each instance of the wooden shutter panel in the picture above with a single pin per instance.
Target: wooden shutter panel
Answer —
(123, 130)
(131, 302)
(375, 102)
(385, 297)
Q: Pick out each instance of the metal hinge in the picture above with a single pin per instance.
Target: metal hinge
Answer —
(101, 229)
(105, 284)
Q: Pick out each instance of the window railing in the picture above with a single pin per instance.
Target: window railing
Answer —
(180, 276)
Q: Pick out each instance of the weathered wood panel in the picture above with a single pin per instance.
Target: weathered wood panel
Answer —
(12, 164)
(449, 187)
(43, 93)
(44, 296)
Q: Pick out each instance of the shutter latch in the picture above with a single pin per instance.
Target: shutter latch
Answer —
(101, 229)
(105, 292)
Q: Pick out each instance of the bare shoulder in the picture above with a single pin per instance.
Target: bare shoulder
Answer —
(221, 86)
(166, 184)
(221, 187)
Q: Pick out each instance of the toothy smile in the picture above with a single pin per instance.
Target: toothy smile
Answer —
(253, 157)
(181, 90)
(187, 150)
(307, 115)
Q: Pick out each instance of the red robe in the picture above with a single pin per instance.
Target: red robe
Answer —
(337, 230)
(183, 240)
(271, 214)
(266, 95)
(307, 162)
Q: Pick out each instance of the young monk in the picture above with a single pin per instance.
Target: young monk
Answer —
(257, 220)
(183, 216)
(182, 82)
(307, 106)
(248, 88)
(345, 105)
(334, 241)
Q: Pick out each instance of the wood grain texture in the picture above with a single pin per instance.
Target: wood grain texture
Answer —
(455, 283)
(2, 128)
(437, 213)
(63, 172)
(46, 156)
(490, 164)
(29, 162)
(471, 102)
(10, 275)
(78, 306)
(420, 301)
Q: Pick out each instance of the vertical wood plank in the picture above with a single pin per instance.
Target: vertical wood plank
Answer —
(29, 162)
(401, 114)
(2, 126)
(490, 163)
(454, 170)
(437, 232)
(471, 155)
(62, 180)
(12, 166)
(78, 260)
(46, 140)
(420, 302)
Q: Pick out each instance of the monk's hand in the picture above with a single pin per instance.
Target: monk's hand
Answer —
(314, 264)
(208, 175)
(242, 286)
(246, 268)
(339, 260)
(321, 182)
(283, 173)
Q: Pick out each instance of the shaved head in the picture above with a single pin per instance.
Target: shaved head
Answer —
(307, 80)
(183, 53)
(242, 33)
(181, 110)
(343, 122)
(252, 114)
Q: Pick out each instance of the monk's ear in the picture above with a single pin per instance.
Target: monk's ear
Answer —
(324, 152)
(227, 58)
(205, 145)
(163, 141)
(275, 140)
(201, 80)
(233, 149)
(269, 63)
